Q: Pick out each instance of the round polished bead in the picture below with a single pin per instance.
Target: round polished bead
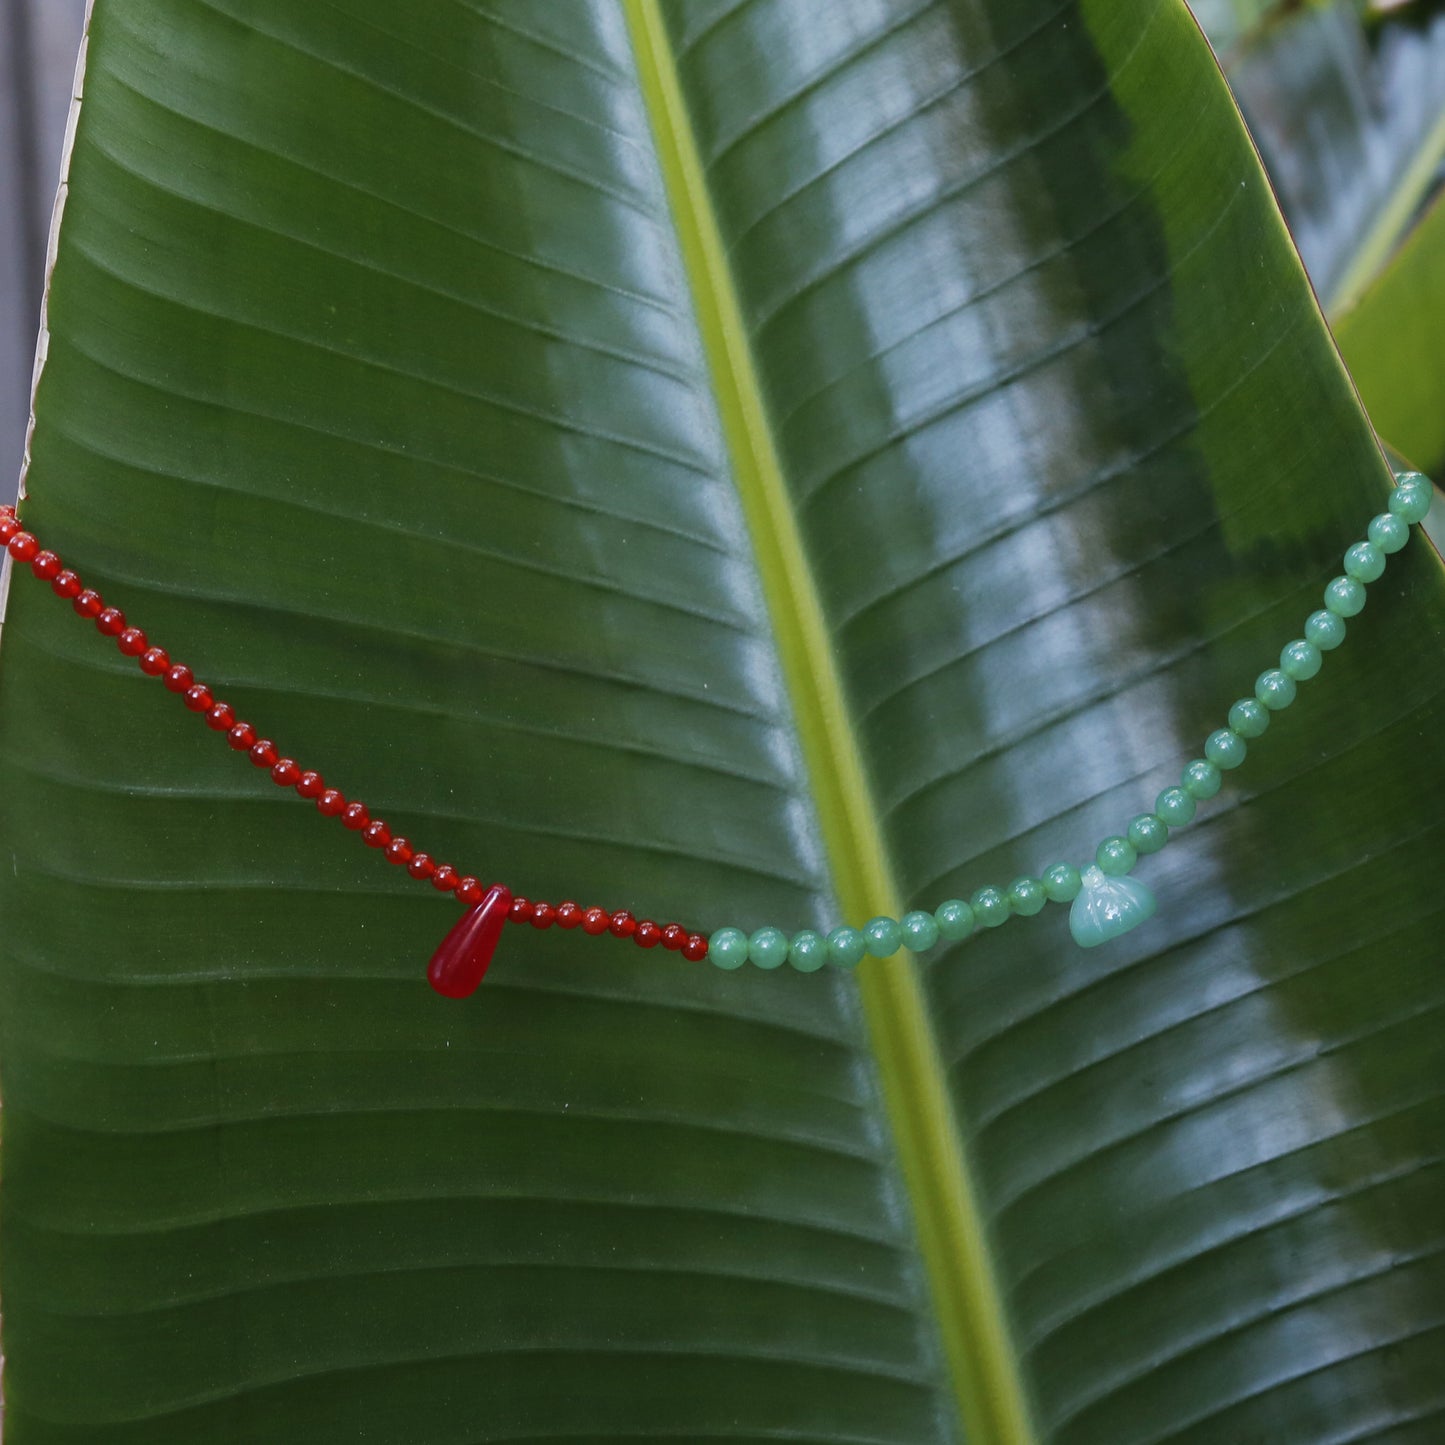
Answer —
(446, 878)
(310, 784)
(67, 584)
(882, 936)
(1249, 717)
(990, 907)
(954, 919)
(45, 565)
(423, 865)
(154, 661)
(264, 753)
(696, 948)
(674, 935)
(1324, 630)
(1388, 532)
(648, 934)
(241, 736)
(1225, 748)
(622, 924)
(569, 915)
(1148, 833)
(543, 914)
(728, 948)
(23, 547)
(88, 603)
(1026, 897)
(846, 947)
(808, 951)
(131, 641)
(1345, 597)
(354, 816)
(1275, 689)
(331, 803)
(1410, 501)
(8, 526)
(1115, 857)
(768, 947)
(1300, 659)
(285, 772)
(919, 930)
(221, 718)
(399, 851)
(198, 697)
(178, 677)
(1062, 882)
(110, 621)
(518, 911)
(1175, 806)
(1201, 779)
(470, 891)
(595, 921)
(376, 834)
(1364, 562)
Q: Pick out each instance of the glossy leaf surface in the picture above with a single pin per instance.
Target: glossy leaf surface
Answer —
(387, 387)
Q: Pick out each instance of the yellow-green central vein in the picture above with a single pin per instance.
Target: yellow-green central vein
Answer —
(952, 1240)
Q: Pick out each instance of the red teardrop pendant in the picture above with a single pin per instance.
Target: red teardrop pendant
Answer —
(457, 967)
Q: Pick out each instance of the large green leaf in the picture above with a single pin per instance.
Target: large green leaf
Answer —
(746, 461)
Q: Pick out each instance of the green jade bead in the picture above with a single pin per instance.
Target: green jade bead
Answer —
(1410, 501)
(1026, 897)
(1249, 718)
(1148, 833)
(954, 919)
(990, 907)
(919, 931)
(1365, 562)
(1225, 749)
(1388, 532)
(1345, 597)
(728, 948)
(846, 947)
(1115, 857)
(1062, 882)
(882, 936)
(1275, 689)
(1324, 630)
(768, 948)
(1176, 807)
(1300, 660)
(1201, 779)
(808, 951)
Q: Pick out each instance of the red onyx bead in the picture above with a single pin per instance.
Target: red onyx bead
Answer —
(623, 924)
(66, 585)
(330, 803)
(46, 565)
(422, 865)
(241, 736)
(543, 915)
(8, 527)
(457, 967)
(569, 915)
(284, 772)
(695, 948)
(648, 934)
(595, 921)
(399, 850)
(674, 936)
(178, 677)
(132, 642)
(154, 661)
(310, 785)
(470, 891)
(222, 718)
(355, 816)
(88, 603)
(376, 834)
(521, 910)
(264, 754)
(23, 547)
(198, 697)
(110, 621)
(445, 879)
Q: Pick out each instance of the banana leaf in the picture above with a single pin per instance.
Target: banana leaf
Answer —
(753, 463)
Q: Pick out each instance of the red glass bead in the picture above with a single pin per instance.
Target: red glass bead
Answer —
(88, 603)
(285, 772)
(470, 891)
(622, 924)
(132, 642)
(521, 910)
(241, 736)
(222, 717)
(647, 934)
(110, 621)
(154, 661)
(46, 566)
(674, 936)
(9, 527)
(198, 697)
(543, 915)
(66, 585)
(569, 915)
(264, 753)
(595, 921)
(399, 850)
(178, 677)
(23, 547)
(330, 803)
(695, 948)
(310, 785)
(355, 816)
(376, 834)
(460, 964)
(445, 879)
(422, 865)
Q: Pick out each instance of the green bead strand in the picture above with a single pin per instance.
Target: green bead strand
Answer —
(1026, 897)
(1325, 630)
(919, 930)
(1249, 718)
(1201, 779)
(1275, 689)
(1365, 562)
(1176, 807)
(846, 947)
(1300, 660)
(1062, 882)
(808, 951)
(1115, 857)
(728, 948)
(1225, 749)
(990, 907)
(1345, 597)
(1388, 532)
(1410, 501)
(1148, 833)
(768, 948)
(882, 936)
(954, 919)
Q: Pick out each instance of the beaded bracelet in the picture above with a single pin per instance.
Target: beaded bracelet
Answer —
(1105, 901)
